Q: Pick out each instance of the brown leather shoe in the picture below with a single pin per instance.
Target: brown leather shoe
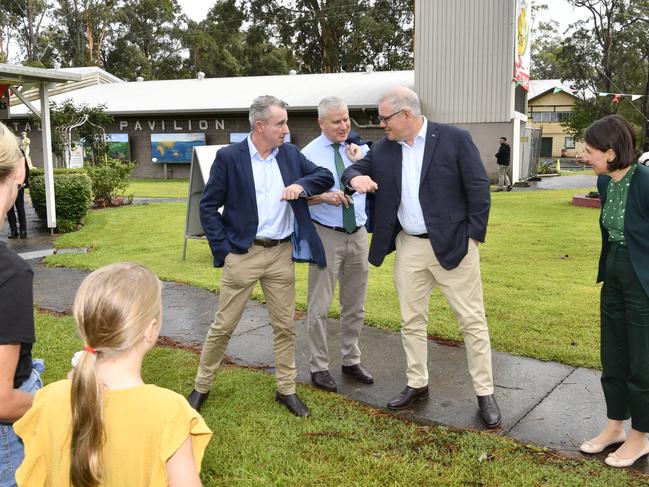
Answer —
(323, 380)
(293, 404)
(489, 411)
(408, 396)
(196, 399)
(358, 372)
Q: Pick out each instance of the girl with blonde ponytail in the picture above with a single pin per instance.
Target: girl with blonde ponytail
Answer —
(105, 427)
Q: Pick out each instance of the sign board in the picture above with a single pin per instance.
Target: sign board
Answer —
(4, 102)
(202, 159)
(76, 155)
(522, 44)
(172, 148)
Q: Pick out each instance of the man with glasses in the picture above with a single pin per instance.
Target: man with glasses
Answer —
(432, 206)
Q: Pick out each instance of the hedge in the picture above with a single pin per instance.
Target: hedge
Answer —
(73, 195)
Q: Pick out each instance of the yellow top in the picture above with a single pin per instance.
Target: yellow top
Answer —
(144, 426)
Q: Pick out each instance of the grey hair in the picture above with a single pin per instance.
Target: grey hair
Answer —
(10, 153)
(401, 98)
(260, 106)
(328, 103)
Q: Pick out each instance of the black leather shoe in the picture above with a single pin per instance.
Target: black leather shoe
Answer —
(509, 188)
(293, 404)
(358, 372)
(23, 234)
(489, 411)
(196, 399)
(408, 396)
(323, 380)
(14, 234)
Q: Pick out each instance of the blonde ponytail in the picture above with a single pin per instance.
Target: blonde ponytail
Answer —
(86, 467)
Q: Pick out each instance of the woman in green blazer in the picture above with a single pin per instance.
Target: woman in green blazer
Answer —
(624, 268)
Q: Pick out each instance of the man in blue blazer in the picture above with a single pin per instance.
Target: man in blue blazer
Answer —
(261, 185)
(431, 205)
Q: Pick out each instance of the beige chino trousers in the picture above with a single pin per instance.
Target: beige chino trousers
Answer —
(416, 273)
(346, 264)
(273, 268)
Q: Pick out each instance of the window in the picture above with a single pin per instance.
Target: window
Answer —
(569, 143)
(546, 117)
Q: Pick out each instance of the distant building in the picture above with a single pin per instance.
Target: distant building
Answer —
(549, 103)
(158, 122)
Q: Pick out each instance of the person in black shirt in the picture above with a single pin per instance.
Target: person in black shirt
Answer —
(503, 159)
(19, 375)
(19, 229)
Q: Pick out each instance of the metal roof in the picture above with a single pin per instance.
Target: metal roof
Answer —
(25, 75)
(540, 87)
(222, 95)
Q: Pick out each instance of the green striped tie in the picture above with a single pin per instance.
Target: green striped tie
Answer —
(349, 217)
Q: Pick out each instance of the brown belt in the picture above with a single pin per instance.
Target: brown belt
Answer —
(270, 242)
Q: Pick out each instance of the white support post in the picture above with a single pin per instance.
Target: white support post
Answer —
(47, 156)
(518, 120)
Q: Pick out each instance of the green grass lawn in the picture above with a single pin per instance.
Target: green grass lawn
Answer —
(158, 188)
(257, 442)
(538, 268)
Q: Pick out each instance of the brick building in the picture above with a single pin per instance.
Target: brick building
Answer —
(214, 111)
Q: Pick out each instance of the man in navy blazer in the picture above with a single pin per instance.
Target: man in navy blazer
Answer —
(261, 185)
(431, 205)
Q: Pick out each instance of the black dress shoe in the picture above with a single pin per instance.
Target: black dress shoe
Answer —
(293, 403)
(23, 234)
(196, 399)
(323, 380)
(13, 234)
(408, 396)
(489, 411)
(358, 372)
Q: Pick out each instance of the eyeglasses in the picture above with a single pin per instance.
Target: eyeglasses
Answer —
(387, 118)
(20, 186)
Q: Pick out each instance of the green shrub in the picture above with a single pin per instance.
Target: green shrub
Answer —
(73, 195)
(109, 179)
(544, 167)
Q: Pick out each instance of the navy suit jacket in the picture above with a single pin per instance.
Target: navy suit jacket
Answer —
(231, 185)
(636, 225)
(453, 193)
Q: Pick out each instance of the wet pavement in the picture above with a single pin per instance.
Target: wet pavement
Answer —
(543, 403)
(562, 182)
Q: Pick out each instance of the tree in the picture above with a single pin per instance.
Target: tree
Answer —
(81, 30)
(329, 36)
(25, 18)
(605, 53)
(147, 40)
(91, 132)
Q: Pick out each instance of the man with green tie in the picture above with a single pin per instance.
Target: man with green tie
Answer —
(339, 220)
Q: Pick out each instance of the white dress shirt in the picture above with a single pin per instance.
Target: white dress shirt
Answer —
(410, 214)
(276, 217)
(320, 152)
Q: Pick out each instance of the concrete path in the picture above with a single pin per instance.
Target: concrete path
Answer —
(543, 403)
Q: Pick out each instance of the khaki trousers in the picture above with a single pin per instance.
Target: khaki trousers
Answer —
(273, 268)
(416, 272)
(503, 178)
(347, 264)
